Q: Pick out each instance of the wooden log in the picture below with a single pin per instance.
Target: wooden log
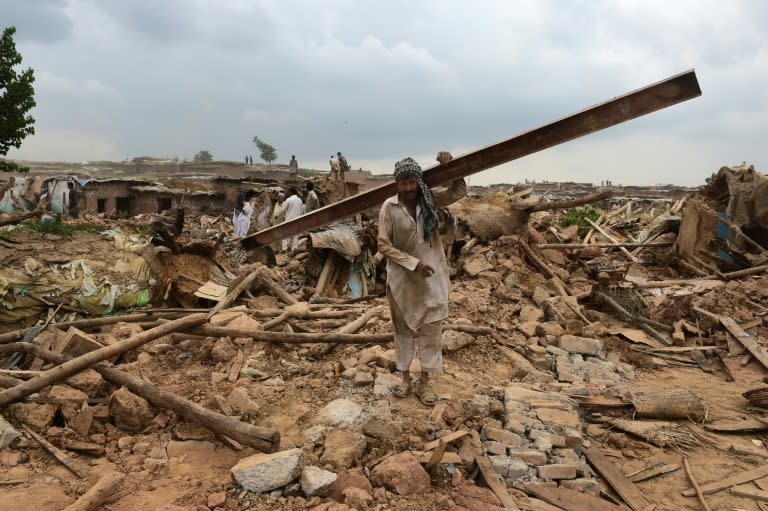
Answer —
(749, 342)
(749, 493)
(495, 483)
(627, 244)
(57, 453)
(623, 486)
(19, 335)
(613, 240)
(325, 274)
(18, 218)
(570, 500)
(264, 439)
(746, 273)
(572, 203)
(541, 264)
(98, 494)
(236, 291)
(631, 318)
(695, 485)
(353, 327)
(76, 365)
(732, 480)
(292, 338)
(275, 288)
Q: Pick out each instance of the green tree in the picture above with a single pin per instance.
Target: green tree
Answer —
(204, 155)
(16, 99)
(268, 153)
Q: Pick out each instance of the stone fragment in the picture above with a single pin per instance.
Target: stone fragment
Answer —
(217, 499)
(343, 448)
(339, 412)
(557, 471)
(240, 401)
(37, 416)
(582, 345)
(517, 364)
(493, 447)
(473, 266)
(88, 381)
(361, 378)
(508, 467)
(314, 435)
(77, 343)
(382, 429)
(265, 472)
(454, 341)
(385, 384)
(223, 350)
(316, 481)
(356, 498)
(584, 485)
(369, 355)
(530, 456)
(555, 440)
(558, 418)
(349, 479)
(402, 474)
(130, 412)
(540, 295)
(531, 313)
(573, 438)
(505, 437)
(386, 360)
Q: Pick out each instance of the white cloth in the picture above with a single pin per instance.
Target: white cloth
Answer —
(293, 208)
(242, 220)
(401, 240)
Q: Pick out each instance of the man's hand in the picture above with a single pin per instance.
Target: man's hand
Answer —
(424, 270)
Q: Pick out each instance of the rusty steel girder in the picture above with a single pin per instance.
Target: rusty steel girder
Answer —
(673, 90)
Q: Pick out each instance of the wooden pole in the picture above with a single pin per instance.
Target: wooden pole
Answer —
(291, 338)
(629, 244)
(98, 494)
(613, 240)
(353, 327)
(541, 264)
(264, 439)
(695, 485)
(232, 295)
(572, 203)
(19, 218)
(76, 365)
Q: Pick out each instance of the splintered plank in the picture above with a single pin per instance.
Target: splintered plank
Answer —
(733, 480)
(495, 483)
(570, 500)
(623, 486)
(746, 339)
(657, 471)
(446, 439)
(55, 452)
(740, 426)
(750, 493)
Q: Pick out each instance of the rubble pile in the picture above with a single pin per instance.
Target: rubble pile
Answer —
(581, 361)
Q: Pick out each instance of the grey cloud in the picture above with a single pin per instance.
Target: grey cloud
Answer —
(43, 21)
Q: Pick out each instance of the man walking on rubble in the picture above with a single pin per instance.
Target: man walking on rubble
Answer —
(293, 208)
(343, 165)
(417, 273)
(312, 203)
(334, 161)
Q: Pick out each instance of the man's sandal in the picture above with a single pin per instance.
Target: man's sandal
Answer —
(402, 390)
(426, 395)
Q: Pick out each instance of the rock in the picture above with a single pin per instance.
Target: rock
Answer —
(582, 345)
(473, 266)
(493, 447)
(588, 486)
(386, 360)
(505, 437)
(530, 313)
(529, 328)
(339, 412)
(130, 412)
(556, 256)
(88, 381)
(554, 440)
(562, 419)
(37, 416)
(540, 295)
(508, 467)
(343, 448)
(357, 498)
(369, 355)
(264, 472)
(349, 479)
(362, 378)
(478, 407)
(245, 322)
(517, 364)
(381, 429)
(223, 350)
(314, 435)
(454, 341)
(385, 384)
(557, 471)
(240, 401)
(402, 474)
(316, 481)
(530, 456)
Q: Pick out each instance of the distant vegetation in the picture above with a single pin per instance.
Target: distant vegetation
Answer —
(56, 226)
(203, 155)
(579, 216)
(268, 153)
(17, 97)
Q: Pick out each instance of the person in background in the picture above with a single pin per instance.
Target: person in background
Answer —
(334, 161)
(293, 168)
(417, 273)
(241, 218)
(343, 165)
(312, 203)
(294, 208)
(73, 201)
(278, 217)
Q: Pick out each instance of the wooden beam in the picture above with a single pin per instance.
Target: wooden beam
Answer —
(668, 92)
(570, 500)
(629, 244)
(623, 486)
(495, 483)
(746, 339)
(732, 480)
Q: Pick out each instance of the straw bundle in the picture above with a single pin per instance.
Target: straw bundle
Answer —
(757, 397)
(658, 433)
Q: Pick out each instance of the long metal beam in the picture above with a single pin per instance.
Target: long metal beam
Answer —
(673, 90)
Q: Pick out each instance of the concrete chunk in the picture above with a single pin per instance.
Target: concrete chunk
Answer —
(265, 472)
(557, 471)
(316, 481)
(583, 345)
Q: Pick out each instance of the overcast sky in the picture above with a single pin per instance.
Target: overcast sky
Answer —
(380, 80)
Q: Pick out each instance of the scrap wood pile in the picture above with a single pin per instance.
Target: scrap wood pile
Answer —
(550, 398)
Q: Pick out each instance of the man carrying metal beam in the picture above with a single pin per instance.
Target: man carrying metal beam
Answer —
(417, 273)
